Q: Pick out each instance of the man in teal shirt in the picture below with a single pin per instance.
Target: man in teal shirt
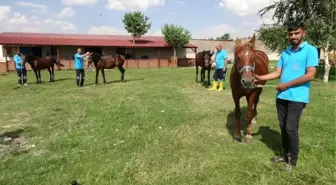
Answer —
(20, 69)
(221, 68)
(296, 68)
(79, 67)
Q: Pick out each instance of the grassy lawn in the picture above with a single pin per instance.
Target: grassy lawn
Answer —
(158, 128)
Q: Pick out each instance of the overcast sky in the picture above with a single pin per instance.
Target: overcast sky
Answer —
(204, 18)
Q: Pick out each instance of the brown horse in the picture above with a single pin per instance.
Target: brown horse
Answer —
(203, 59)
(37, 64)
(102, 62)
(248, 61)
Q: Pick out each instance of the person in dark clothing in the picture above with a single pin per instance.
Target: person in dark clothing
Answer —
(296, 68)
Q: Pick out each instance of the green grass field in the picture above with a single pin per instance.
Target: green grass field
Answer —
(158, 128)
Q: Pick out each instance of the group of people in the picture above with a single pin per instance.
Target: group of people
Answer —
(296, 67)
(79, 68)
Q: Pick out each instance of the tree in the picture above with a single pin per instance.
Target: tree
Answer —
(318, 16)
(136, 23)
(225, 37)
(176, 36)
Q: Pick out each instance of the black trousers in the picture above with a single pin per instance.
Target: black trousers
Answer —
(289, 114)
(21, 74)
(80, 76)
(219, 75)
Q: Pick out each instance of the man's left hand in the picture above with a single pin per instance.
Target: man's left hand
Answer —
(282, 87)
(224, 69)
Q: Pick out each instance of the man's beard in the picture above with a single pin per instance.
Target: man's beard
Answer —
(292, 42)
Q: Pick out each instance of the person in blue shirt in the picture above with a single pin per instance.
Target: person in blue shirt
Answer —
(296, 68)
(79, 67)
(221, 60)
(20, 69)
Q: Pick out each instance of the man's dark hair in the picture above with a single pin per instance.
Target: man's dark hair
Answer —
(295, 25)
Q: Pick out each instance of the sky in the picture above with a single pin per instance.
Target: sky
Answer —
(203, 18)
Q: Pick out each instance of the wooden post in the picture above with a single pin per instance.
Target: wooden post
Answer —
(58, 57)
(5, 53)
(103, 51)
(158, 56)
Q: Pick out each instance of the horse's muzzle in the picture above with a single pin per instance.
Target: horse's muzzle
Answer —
(247, 82)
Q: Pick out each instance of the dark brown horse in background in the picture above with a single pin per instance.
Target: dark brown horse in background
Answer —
(203, 59)
(248, 61)
(102, 62)
(38, 63)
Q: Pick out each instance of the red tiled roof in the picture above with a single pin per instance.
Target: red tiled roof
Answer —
(17, 38)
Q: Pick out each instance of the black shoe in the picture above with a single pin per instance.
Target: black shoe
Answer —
(278, 159)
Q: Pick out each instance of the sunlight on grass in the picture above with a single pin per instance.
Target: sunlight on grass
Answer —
(158, 127)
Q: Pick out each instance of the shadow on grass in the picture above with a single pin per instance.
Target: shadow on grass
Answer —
(12, 134)
(116, 81)
(271, 138)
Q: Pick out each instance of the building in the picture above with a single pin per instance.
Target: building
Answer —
(146, 52)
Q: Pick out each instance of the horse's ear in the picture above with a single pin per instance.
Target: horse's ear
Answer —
(238, 41)
(253, 39)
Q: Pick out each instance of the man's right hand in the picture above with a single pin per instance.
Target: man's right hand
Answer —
(257, 78)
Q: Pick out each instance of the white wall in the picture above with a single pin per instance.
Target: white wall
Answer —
(2, 57)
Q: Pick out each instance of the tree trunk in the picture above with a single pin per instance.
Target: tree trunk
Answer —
(133, 39)
(174, 52)
(326, 64)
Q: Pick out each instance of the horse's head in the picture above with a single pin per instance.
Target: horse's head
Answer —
(119, 57)
(92, 57)
(207, 54)
(245, 59)
(28, 59)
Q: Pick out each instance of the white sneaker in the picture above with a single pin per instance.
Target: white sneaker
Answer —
(19, 85)
(25, 84)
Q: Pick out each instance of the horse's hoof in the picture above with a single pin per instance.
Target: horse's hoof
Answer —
(237, 139)
(254, 121)
(248, 139)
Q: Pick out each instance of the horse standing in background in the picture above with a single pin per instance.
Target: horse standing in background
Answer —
(203, 59)
(102, 62)
(247, 61)
(38, 63)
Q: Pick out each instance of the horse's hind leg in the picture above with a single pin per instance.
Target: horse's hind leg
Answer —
(103, 73)
(53, 73)
(122, 70)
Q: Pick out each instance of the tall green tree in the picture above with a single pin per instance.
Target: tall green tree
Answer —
(225, 37)
(136, 23)
(318, 16)
(176, 36)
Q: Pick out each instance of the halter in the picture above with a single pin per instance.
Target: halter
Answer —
(251, 67)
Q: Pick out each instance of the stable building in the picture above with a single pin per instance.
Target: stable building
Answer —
(146, 52)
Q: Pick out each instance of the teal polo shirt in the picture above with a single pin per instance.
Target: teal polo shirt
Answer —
(293, 65)
(79, 64)
(220, 59)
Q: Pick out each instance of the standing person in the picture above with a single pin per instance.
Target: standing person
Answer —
(296, 68)
(20, 69)
(221, 68)
(79, 67)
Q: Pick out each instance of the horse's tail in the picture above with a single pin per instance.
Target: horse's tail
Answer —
(58, 63)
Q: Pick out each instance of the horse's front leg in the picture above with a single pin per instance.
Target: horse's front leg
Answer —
(97, 73)
(237, 136)
(50, 77)
(36, 76)
(52, 73)
(196, 74)
(250, 116)
(254, 120)
(209, 70)
(39, 76)
(202, 75)
(103, 73)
